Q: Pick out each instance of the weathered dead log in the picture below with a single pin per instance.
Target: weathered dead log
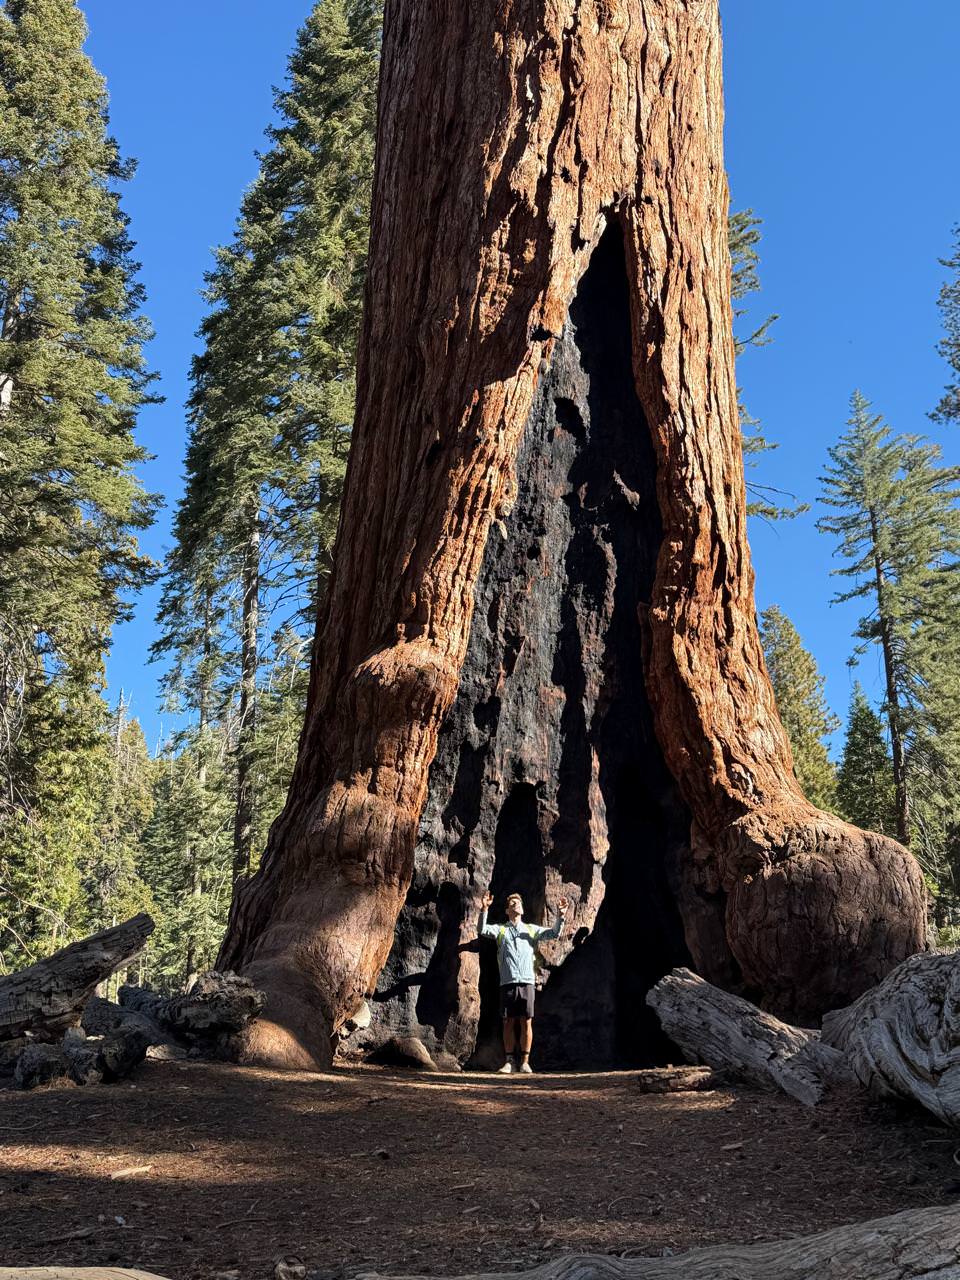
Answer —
(511, 139)
(680, 1079)
(902, 1038)
(102, 1017)
(49, 996)
(727, 1033)
(106, 1058)
(217, 1004)
(920, 1244)
(140, 1000)
(39, 1064)
(10, 1051)
(200, 1020)
(75, 1273)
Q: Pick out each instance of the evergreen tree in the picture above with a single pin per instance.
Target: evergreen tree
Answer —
(948, 410)
(743, 237)
(72, 379)
(125, 806)
(186, 858)
(71, 338)
(798, 687)
(273, 390)
(865, 794)
(69, 865)
(898, 530)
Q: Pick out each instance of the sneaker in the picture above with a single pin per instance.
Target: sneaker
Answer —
(507, 1069)
(525, 1069)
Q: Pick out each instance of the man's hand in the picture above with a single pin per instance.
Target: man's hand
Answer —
(486, 901)
(563, 905)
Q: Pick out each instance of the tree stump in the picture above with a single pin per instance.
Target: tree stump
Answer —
(49, 996)
(519, 145)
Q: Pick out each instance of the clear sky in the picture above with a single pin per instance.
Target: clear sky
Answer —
(841, 125)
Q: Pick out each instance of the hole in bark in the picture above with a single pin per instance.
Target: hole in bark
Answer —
(518, 855)
(604, 821)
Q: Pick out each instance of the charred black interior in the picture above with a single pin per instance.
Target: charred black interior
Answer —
(548, 768)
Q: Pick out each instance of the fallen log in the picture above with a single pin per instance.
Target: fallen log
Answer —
(106, 1058)
(901, 1039)
(678, 1079)
(920, 1244)
(48, 996)
(75, 1273)
(731, 1035)
(103, 1017)
(216, 1005)
(39, 1064)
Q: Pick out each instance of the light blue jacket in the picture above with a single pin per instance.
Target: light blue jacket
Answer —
(516, 944)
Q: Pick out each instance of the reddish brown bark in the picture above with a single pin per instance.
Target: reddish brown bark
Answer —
(510, 133)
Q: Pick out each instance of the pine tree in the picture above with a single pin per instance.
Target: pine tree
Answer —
(948, 410)
(186, 858)
(71, 338)
(125, 807)
(273, 390)
(743, 237)
(72, 379)
(865, 794)
(898, 530)
(808, 720)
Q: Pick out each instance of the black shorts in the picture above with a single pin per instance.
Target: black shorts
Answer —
(516, 999)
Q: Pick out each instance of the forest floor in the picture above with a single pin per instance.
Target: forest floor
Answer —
(370, 1170)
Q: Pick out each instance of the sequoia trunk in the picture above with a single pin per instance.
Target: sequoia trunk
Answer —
(550, 212)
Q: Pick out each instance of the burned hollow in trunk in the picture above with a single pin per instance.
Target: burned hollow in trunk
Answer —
(548, 777)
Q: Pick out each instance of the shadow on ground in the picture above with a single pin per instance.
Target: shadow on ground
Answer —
(362, 1169)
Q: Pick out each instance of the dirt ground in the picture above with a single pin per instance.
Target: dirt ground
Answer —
(370, 1170)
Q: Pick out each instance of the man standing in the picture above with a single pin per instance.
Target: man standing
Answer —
(516, 944)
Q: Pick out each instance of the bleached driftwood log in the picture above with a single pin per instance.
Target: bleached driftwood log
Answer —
(48, 996)
(75, 1273)
(731, 1035)
(901, 1039)
(921, 1243)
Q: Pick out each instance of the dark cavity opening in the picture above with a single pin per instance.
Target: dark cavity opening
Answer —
(548, 768)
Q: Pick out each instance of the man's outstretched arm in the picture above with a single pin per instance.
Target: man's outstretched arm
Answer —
(556, 929)
(485, 930)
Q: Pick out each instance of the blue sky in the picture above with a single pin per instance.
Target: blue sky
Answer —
(841, 134)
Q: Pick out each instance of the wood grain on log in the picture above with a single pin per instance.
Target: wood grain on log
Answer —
(921, 1244)
(679, 1079)
(216, 1004)
(902, 1038)
(49, 995)
(732, 1035)
(75, 1273)
(509, 136)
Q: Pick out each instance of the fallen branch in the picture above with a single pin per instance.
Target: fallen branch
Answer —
(678, 1079)
(921, 1244)
(49, 995)
(729, 1034)
(902, 1037)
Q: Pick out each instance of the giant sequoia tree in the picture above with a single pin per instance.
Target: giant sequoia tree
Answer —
(539, 649)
